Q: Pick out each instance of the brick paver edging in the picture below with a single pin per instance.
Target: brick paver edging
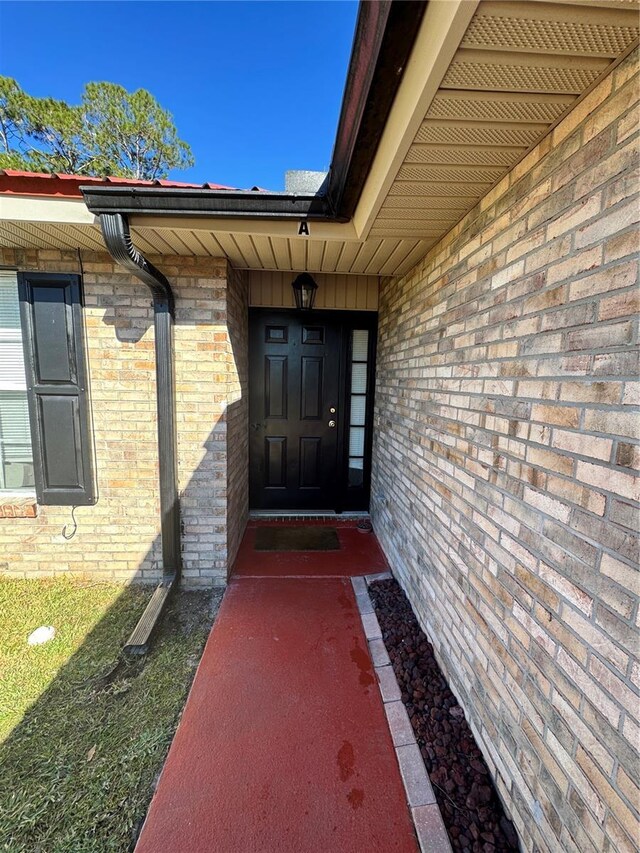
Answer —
(429, 826)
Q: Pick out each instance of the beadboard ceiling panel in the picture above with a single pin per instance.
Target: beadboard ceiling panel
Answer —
(519, 67)
(342, 292)
(376, 255)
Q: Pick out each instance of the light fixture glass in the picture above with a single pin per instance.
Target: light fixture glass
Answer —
(304, 291)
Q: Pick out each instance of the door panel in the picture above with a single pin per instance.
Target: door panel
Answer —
(311, 388)
(275, 452)
(310, 456)
(275, 386)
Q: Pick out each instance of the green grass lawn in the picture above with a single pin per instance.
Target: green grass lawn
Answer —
(79, 754)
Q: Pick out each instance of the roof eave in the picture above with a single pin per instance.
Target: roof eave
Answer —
(384, 37)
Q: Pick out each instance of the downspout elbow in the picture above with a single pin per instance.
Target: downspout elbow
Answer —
(117, 236)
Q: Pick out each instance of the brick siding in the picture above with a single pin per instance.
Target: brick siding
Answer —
(505, 471)
(237, 411)
(118, 538)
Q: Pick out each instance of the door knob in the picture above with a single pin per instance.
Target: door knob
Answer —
(332, 424)
(332, 410)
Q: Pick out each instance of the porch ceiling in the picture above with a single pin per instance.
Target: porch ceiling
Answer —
(246, 249)
(518, 68)
(484, 83)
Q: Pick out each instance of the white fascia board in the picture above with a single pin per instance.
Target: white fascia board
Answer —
(42, 210)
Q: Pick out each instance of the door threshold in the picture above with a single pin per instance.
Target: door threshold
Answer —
(293, 514)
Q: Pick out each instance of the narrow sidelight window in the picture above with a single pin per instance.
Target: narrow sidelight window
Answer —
(57, 387)
(358, 406)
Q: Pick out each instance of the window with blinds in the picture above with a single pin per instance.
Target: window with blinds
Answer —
(16, 458)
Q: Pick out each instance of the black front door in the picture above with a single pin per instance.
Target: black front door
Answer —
(299, 367)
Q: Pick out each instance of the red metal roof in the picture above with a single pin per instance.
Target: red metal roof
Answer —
(14, 182)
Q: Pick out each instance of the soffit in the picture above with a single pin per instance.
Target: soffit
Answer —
(518, 68)
(374, 256)
(282, 251)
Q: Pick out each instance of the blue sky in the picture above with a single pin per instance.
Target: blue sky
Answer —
(254, 87)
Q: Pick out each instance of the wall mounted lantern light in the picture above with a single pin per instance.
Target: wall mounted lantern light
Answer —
(304, 291)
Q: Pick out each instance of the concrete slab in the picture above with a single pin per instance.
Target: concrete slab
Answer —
(371, 627)
(432, 835)
(389, 689)
(416, 780)
(399, 723)
(379, 654)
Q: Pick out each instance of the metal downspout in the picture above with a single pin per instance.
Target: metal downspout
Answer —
(115, 230)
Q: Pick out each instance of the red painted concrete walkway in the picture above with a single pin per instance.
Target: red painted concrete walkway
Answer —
(359, 554)
(283, 746)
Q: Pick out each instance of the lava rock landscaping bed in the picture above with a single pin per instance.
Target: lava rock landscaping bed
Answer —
(471, 810)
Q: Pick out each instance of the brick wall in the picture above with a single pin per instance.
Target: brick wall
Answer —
(237, 412)
(505, 461)
(118, 538)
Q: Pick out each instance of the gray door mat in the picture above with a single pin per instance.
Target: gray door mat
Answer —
(298, 538)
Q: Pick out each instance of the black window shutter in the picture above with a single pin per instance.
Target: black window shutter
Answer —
(57, 386)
